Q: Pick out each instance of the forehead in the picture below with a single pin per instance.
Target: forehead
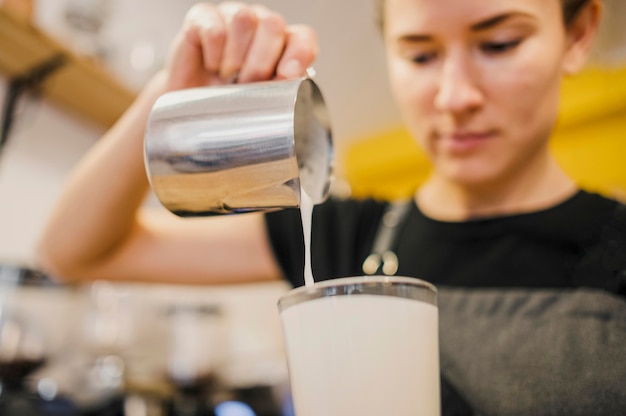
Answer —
(402, 16)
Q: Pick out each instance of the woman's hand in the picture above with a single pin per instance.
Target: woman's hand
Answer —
(235, 42)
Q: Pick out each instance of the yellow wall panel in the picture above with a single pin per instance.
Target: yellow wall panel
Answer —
(594, 154)
(589, 142)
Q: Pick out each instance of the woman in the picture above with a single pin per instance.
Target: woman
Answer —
(477, 83)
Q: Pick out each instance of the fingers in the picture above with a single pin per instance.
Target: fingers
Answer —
(279, 50)
(299, 54)
(237, 41)
(241, 25)
(267, 46)
(206, 30)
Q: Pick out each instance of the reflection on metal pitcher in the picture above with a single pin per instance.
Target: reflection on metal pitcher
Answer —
(239, 148)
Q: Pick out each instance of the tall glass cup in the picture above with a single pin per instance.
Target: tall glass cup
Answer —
(364, 346)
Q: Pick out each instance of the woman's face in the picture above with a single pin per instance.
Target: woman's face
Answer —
(477, 81)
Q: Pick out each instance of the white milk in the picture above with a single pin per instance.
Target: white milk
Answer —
(365, 355)
(306, 212)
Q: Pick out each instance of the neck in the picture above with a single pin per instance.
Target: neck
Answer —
(534, 188)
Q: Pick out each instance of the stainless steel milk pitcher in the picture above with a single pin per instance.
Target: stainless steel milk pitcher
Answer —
(239, 148)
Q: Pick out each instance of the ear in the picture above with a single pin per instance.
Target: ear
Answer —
(580, 35)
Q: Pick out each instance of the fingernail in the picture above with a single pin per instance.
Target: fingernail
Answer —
(291, 69)
(229, 76)
(231, 79)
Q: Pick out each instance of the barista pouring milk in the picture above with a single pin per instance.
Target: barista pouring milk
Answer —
(526, 262)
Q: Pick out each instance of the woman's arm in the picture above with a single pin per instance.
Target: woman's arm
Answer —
(98, 231)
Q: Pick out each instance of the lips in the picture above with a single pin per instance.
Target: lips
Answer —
(465, 141)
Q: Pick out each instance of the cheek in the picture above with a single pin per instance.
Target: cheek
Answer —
(399, 81)
(412, 94)
(526, 96)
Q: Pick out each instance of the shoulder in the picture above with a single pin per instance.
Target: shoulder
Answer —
(341, 218)
(351, 207)
(607, 249)
(588, 194)
(587, 205)
(611, 212)
(590, 214)
(588, 199)
(332, 211)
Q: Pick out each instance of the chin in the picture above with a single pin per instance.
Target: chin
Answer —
(469, 176)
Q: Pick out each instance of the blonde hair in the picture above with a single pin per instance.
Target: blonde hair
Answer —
(571, 8)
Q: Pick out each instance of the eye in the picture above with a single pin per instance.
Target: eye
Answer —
(499, 47)
(423, 58)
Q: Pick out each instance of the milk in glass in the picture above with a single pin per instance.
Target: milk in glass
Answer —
(360, 354)
(366, 355)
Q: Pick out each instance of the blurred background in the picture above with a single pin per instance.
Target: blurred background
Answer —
(68, 69)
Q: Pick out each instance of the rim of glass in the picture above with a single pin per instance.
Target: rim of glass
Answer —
(398, 286)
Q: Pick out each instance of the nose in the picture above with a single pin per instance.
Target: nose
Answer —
(458, 91)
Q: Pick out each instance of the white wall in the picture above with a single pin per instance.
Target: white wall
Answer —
(46, 142)
(350, 64)
(44, 145)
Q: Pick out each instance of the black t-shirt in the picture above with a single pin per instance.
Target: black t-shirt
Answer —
(531, 306)
(579, 242)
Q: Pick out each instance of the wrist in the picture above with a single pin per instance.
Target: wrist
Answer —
(156, 86)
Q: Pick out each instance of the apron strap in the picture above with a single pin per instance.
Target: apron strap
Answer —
(383, 259)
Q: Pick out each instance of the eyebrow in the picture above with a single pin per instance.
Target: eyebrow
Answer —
(496, 20)
(476, 27)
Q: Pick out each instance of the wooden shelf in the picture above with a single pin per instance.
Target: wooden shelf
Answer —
(80, 85)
